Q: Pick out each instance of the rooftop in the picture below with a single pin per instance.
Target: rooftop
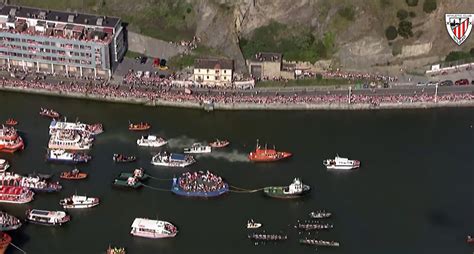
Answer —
(148, 224)
(59, 16)
(210, 63)
(267, 57)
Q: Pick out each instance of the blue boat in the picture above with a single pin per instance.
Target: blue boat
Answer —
(178, 190)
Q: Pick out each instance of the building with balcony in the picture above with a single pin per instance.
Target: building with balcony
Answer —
(60, 42)
(216, 72)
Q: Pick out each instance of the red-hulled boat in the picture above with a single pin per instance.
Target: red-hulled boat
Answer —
(267, 155)
(11, 122)
(139, 126)
(10, 141)
(5, 240)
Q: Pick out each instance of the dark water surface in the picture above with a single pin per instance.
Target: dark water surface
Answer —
(413, 194)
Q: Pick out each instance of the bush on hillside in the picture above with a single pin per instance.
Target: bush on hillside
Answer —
(429, 6)
(405, 29)
(457, 55)
(471, 52)
(385, 3)
(412, 3)
(391, 33)
(402, 14)
(347, 12)
(412, 14)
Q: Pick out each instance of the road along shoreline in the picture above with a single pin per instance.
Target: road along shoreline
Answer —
(241, 106)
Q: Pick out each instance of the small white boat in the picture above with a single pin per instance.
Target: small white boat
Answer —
(4, 165)
(198, 148)
(253, 225)
(341, 163)
(172, 160)
(153, 228)
(44, 217)
(151, 141)
(79, 202)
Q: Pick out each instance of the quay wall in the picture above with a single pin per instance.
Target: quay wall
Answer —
(242, 106)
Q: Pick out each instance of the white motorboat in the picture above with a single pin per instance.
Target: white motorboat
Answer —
(341, 163)
(153, 228)
(4, 165)
(151, 141)
(76, 201)
(44, 217)
(172, 160)
(198, 148)
(253, 225)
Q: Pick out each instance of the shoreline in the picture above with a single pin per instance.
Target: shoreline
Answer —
(242, 106)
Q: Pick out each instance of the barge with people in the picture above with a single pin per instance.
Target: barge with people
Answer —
(51, 113)
(63, 156)
(199, 184)
(219, 143)
(294, 190)
(15, 194)
(10, 141)
(82, 128)
(148, 228)
(198, 148)
(131, 182)
(8, 222)
(121, 158)
(267, 155)
(49, 218)
(74, 174)
(138, 173)
(70, 140)
(35, 183)
(177, 160)
(139, 126)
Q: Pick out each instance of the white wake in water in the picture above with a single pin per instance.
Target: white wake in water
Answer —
(231, 156)
(181, 142)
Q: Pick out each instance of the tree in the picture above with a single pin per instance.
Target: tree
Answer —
(391, 33)
(412, 3)
(347, 12)
(429, 6)
(402, 14)
(412, 14)
(405, 29)
(471, 52)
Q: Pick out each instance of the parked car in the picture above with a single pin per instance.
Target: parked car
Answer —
(386, 85)
(462, 82)
(366, 86)
(143, 59)
(432, 83)
(420, 84)
(446, 83)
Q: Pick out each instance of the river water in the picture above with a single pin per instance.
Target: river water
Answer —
(413, 193)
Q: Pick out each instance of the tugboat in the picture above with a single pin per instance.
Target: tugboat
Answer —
(267, 237)
(153, 228)
(295, 190)
(62, 156)
(49, 113)
(151, 141)
(115, 250)
(120, 158)
(320, 214)
(49, 218)
(199, 184)
(177, 160)
(267, 155)
(138, 173)
(11, 122)
(139, 126)
(4, 165)
(253, 225)
(79, 202)
(131, 182)
(8, 222)
(321, 243)
(341, 163)
(74, 174)
(5, 240)
(219, 143)
(198, 148)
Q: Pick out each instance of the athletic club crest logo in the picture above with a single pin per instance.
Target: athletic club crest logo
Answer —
(459, 26)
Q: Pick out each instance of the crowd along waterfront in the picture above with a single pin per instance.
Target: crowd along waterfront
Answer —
(412, 193)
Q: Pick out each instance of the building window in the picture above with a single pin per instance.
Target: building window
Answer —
(207, 71)
(207, 77)
(225, 71)
(225, 77)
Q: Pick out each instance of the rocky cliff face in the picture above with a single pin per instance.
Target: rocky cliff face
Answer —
(360, 43)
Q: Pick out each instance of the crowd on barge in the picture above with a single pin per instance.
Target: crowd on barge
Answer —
(107, 90)
(200, 182)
